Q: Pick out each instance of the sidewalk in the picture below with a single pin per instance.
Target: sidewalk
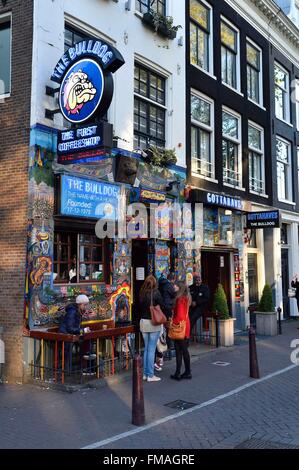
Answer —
(32, 417)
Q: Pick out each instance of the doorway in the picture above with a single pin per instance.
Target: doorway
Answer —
(285, 281)
(215, 266)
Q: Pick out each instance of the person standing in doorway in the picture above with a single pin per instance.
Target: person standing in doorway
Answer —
(295, 284)
(200, 295)
(181, 313)
(149, 295)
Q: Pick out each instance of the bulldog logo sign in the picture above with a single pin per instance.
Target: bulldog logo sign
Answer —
(85, 76)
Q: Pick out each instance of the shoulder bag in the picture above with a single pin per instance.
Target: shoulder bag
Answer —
(177, 330)
(157, 316)
(292, 292)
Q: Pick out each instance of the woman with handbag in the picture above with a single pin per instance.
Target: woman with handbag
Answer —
(179, 331)
(151, 305)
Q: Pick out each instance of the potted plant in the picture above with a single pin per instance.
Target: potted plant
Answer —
(266, 318)
(160, 157)
(161, 24)
(226, 322)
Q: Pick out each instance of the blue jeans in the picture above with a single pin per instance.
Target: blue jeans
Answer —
(150, 343)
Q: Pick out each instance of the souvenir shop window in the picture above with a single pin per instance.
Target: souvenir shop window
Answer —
(225, 227)
(210, 224)
(79, 258)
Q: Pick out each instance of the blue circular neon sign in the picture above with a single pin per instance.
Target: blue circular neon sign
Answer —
(81, 91)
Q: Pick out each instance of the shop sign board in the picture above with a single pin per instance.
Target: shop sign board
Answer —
(146, 195)
(266, 219)
(84, 139)
(84, 73)
(215, 199)
(82, 197)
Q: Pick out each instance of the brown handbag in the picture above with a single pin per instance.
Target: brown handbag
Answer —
(177, 330)
(157, 316)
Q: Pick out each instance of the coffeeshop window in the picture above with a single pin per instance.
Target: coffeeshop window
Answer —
(79, 258)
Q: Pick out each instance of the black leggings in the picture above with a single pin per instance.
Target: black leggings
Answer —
(181, 349)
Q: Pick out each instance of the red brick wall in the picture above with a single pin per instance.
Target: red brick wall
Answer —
(14, 154)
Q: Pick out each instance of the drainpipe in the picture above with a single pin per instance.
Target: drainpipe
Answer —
(2, 352)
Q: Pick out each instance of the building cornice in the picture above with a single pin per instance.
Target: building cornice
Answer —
(278, 19)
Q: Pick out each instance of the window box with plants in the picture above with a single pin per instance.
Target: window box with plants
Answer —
(163, 25)
(266, 317)
(226, 322)
(160, 157)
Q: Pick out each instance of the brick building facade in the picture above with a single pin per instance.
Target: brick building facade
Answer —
(14, 145)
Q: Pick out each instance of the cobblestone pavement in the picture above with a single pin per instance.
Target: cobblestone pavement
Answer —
(31, 417)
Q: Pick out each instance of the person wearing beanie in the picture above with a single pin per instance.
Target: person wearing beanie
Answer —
(72, 319)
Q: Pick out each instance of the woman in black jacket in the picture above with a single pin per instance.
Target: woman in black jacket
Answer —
(149, 294)
(295, 284)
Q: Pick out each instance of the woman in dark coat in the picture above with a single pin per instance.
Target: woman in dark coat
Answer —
(295, 284)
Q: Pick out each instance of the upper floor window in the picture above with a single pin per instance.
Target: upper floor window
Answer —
(201, 36)
(230, 55)
(149, 108)
(284, 170)
(231, 148)
(144, 6)
(256, 158)
(282, 93)
(202, 136)
(297, 101)
(254, 72)
(5, 55)
(71, 36)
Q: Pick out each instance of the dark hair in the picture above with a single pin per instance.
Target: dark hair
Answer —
(171, 276)
(149, 284)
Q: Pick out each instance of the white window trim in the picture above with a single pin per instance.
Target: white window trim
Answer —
(236, 141)
(287, 91)
(238, 65)
(3, 19)
(210, 129)
(210, 43)
(261, 152)
(297, 102)
(204, 71)
(261, 91)
(289, 144)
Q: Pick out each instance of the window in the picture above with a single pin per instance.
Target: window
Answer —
(229, 55)
(256, 158)
(149, 108)
(71, 36)
(231, 148)
(298, 164)
(79, 257)
(284, 170)
(253, 278)
(145, 5)
(297, 101)
(284, 234)
(201, 53)
(254, 72)
(282, 93)
(202, 138)
(5, 56)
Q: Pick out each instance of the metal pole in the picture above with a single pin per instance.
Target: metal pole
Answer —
(279, 321)
(253, 362)
(138, 417)
(217, 329)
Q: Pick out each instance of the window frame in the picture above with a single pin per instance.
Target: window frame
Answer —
(150, 102)
(286, 111)
(210, 41)
(7, 18)
(260, 72)
(297, 102)
(289, 185)
(75, 233)
(235, 141)
(207, 128)
(261, 152)
(147, 6)
(223, 19)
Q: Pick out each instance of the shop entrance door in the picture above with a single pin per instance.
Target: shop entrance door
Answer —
(215, 267)
(139, 273)
(285, 281)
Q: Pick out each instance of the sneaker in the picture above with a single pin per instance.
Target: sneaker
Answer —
(154, 378)
(158, 368)
(144, 378)
(160, 362)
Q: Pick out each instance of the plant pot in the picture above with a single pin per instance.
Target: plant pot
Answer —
(148, 19)
(266, 323)
(226, 331)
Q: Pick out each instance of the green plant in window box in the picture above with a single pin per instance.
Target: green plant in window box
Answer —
(162, 24)
(160, 157)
